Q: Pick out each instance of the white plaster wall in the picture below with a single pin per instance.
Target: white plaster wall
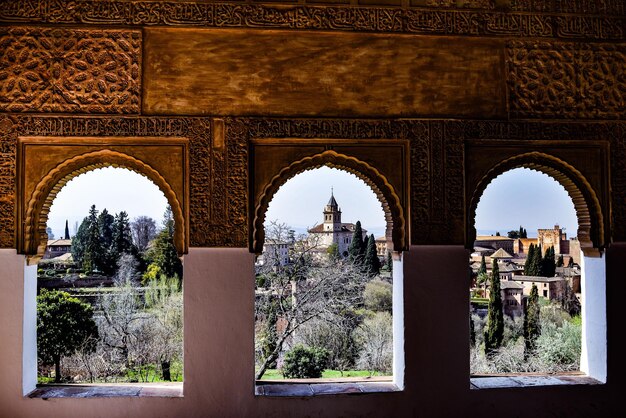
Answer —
(594, 342)
(29, 330)
(219, 353)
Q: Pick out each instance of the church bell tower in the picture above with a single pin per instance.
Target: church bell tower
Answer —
(332, 214)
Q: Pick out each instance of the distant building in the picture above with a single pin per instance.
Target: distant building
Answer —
(57, 247)
(381, 246)
(549, 287)
(554, 237)
(276, 254)
(495, 242)
(332, 230)
(512, 298)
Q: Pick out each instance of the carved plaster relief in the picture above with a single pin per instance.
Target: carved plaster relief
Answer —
(69, 70)
(518, 18)
(558, 80)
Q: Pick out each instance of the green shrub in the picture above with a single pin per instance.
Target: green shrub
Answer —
(305, 362)
(378, 296)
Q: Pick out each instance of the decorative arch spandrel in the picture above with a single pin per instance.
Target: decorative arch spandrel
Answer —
(37, 188)
(391, 199)
(587, 203)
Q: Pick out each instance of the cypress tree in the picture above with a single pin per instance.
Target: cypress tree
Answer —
(548, 265)
(531, 322)
(559, 262)
(495, 318)
(356, 246)
(571, 262)
(521, 232)
(67, 231)
(371, 262)
(535, 262)
(389, 261)
(472, 332)
(529, 259)
(483, 266)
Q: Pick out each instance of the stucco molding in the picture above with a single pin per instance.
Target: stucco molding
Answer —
(36, 215)
(586, 202)
(390, 201)
(519, 19)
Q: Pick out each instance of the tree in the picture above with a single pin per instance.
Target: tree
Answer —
(49, 233)
(570, 262)
(122, 240)
(375, 336)
(105, 225)
(531, 322)
(79, 242)
(143, 231)
(94, 250)
(472, 332)
(305, 362)
(67, 230)
(356, 248)
(494, 333)
(483, 266)
(497, 233)
(64, 324)
(513, 234)
(163, 255)
(371, 262)
(378, 296)
(536, 262)
(559, 261)
(548, 264)
(310, 287)
(529, 260)
(333, 251)
(389, 262)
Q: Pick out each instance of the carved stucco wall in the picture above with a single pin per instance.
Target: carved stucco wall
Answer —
(568, 70)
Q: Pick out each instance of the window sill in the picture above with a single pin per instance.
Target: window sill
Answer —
(530, 380)
(109, 390)
(322, 387)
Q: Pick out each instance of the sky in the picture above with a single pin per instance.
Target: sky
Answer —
(115, 189)
(528, 198)
(518, 197)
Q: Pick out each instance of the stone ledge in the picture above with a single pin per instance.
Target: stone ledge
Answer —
(108, 390)
(519, 381)
(322, 389)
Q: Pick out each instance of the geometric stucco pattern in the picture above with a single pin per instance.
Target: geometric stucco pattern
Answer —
(572, 19)
(566, 80)
(69, 70)
(218, 171)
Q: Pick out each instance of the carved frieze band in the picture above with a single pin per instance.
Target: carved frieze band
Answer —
(566, 80)
(69, 70)
(218, 171)
(520, 19)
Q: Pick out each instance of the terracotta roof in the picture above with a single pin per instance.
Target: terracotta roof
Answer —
(345, 227)
(492, 238)
(538, 279)
(59, 242)
(501, 254)
(508, 284)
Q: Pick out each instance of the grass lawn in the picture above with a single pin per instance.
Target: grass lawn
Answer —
(275, 374)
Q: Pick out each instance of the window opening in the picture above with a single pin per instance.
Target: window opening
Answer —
(109, 304)
(522, 222)
(324, 291)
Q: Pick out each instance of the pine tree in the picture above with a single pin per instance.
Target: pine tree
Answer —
(355, 250)
(122, 239)
(531, 322)
(92, 257)
(105, 225)
(371, 262)
(494, 333)
(79, 242)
